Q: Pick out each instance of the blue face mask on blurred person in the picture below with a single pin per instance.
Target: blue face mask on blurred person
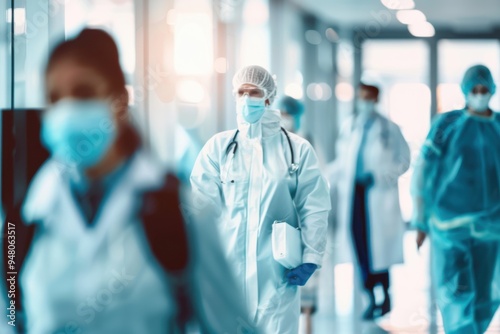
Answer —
(78, 133)
(479, 102)
(365, 107)
(251, 108)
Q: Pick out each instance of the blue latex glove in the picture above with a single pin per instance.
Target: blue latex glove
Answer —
(366, 179)
(300, 275)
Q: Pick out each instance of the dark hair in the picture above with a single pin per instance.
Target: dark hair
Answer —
(94, 48)
(372, 89)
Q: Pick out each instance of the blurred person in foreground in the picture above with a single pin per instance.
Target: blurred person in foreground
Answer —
(110, 251)
(456, 191)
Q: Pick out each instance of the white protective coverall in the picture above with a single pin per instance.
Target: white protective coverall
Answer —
(248, 189)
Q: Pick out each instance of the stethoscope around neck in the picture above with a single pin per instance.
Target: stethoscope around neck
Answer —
(294, 167)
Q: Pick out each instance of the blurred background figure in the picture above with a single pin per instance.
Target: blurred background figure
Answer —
(257, 175)
(457, 201)
(291, 113)
(105, 221)
(372, 155)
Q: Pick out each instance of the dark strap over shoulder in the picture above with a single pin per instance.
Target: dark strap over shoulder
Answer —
(164, 226)
(167, 237)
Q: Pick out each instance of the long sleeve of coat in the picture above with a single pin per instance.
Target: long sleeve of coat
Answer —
(312, 201)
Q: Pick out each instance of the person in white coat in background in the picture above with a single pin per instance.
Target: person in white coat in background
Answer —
(251, 177)
(371, 155)
(110, 252)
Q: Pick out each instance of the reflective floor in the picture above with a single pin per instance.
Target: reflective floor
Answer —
(340, 304)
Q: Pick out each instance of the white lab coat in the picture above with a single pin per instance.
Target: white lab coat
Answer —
(104, 279)
(251, 189)
(387, 157)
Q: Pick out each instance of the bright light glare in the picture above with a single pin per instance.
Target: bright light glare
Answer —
(76, 15)
(190, 91)
(423, 29)
(294, 90)
(131, 94)
(371, 77)
(450, 97)
(19, 20)
(344, 92)
(256, 13)
(220, 65)
(19, 15)
(313, 91)
(253, 46)
(326, 91)
(408, 103)
(344, 288)
(409, 107)
(299, 77)
(410, 16)
(171, 17)
(255, 34)
(399, 4)
(319, 91)
(193, 44)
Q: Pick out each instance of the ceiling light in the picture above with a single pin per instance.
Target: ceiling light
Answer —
(422, 29)
(411, 16)
(399, 4)
(332, 35)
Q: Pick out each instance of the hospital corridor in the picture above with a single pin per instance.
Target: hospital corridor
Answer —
(250, 166)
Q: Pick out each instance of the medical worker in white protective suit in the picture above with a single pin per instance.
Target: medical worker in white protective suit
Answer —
(371, 156)
(107, 257)
(456, 189)
(256, 175)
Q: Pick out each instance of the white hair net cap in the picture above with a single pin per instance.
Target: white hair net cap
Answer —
(258, 76)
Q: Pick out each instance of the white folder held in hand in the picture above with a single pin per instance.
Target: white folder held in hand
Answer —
(287, 245)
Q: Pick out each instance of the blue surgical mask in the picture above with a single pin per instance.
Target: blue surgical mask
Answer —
(251, 108)
(365, 107)
(78, 133)
(479, 102)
